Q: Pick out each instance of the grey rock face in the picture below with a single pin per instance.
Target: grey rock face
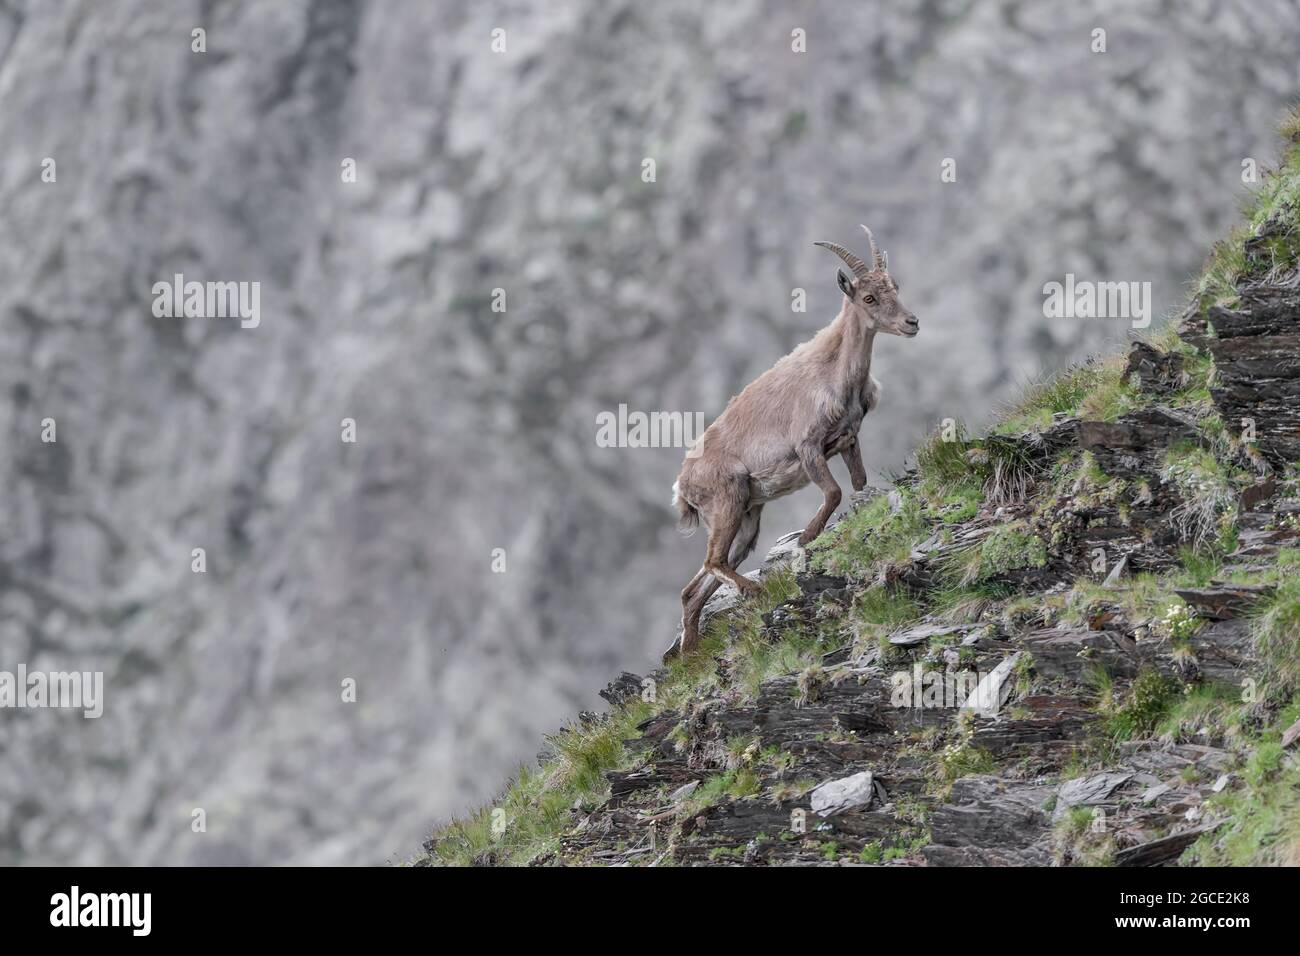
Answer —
(986, 816)
(1259, 379)
(373, 561)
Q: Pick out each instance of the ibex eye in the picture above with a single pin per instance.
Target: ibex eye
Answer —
(871, 300)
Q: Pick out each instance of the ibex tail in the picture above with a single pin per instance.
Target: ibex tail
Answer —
(688, 519)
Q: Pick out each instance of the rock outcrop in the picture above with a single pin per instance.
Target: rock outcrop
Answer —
(1256, 349)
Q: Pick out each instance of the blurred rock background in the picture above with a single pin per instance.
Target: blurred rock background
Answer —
(476, 430)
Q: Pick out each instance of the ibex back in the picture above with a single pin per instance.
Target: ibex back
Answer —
(776, 436)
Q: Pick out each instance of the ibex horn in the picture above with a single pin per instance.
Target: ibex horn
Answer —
(875, 253)
(860, 268)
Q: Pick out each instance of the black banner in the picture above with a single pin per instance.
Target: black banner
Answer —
(341, 906)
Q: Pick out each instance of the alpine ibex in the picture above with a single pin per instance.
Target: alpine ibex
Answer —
(776, 436)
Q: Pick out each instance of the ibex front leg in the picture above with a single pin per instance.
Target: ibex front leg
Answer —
(852, 456)
(814, 464)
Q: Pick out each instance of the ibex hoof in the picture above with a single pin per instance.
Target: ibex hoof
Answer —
(675, 650)
(808, 537)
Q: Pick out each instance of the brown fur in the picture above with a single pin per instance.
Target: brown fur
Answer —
(776, 436)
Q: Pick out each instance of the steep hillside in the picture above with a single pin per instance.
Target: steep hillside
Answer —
(1074, 639)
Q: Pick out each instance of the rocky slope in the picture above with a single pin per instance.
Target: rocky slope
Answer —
(1072, 640)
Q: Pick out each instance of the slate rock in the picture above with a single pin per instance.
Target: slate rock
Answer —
(1088, 791)
(847, 793)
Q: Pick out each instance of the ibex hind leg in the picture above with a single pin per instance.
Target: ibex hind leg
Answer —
(694, 596)
(746, 537)
(691, 618)
(702, 587)
(726, 542)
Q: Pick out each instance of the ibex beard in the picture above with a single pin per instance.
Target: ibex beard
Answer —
(777, 435)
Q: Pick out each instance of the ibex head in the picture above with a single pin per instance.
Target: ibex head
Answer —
(873, 291)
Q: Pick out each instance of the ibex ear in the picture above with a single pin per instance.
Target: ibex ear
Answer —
(846, 284)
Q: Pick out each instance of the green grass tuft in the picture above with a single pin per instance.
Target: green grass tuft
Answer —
(872, 535)
(1061, 394)
(1149, 701)
(1010, 547)
(1276, 627)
